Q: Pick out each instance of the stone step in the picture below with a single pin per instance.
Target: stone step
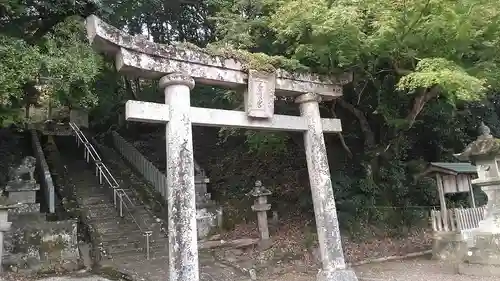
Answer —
(107, 213)
(136, 238)
(118, 225)
(108, 228)
(127, 250)
(122, 247)
(133, 258)
(95, 198)
(133, 237)
(126, 229)
(98, 202)
(111, 216)
(102, 206)
(122, 236)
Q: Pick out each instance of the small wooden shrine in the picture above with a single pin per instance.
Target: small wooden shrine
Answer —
(452, 178)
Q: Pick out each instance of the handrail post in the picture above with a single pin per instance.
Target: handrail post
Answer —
(120, 195)
(148, 235)
(114, 195)
(98, 170)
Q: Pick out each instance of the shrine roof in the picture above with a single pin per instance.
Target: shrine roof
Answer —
(137, 56)
(456, 168)
(448, 168)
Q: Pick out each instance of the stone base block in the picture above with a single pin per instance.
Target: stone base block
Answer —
(23, 196)
(23, 185)
(36, 245)
(265, 244)
(337, 275)
(25, 208)
(207, 221)
(488, 241)
(486, 250)
(448, 246)
(484, 258)
(482, 270)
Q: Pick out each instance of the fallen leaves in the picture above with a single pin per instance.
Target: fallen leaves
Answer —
(294, 239)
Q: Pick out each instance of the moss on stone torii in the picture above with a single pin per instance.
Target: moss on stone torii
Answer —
(254, 61)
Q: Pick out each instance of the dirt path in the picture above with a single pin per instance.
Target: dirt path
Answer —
(420, 269)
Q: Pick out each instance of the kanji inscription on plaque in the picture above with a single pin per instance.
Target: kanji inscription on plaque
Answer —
(259, 97)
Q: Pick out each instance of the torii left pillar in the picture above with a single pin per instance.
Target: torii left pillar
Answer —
(183, 249)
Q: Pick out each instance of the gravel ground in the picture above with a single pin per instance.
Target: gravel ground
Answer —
(90, 278)
(17, 277)
(421, 269)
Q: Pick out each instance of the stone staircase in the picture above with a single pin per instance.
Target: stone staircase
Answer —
(119, 244)
(119, 238)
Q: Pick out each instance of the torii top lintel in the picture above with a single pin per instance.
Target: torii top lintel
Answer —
(139, 57)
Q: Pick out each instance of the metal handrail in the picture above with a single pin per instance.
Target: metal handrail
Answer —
(121, 200)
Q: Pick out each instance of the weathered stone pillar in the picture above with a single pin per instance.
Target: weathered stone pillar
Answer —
(330, 245)
(181, 195)
(5, 225)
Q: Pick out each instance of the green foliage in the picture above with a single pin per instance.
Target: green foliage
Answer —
(425, 73)
(71, 64)
(458, 83)
(44, 49)
(266, 143)
(19, 64)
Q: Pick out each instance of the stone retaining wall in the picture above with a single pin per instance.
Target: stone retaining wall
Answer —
(34, 244)
(45, 177)
(66, 190)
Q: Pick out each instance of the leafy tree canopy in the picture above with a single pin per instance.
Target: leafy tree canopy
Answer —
(447, 47)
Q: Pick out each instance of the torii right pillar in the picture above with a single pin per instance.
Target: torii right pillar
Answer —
(330, 243)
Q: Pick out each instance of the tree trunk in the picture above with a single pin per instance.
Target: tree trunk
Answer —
(423, 96)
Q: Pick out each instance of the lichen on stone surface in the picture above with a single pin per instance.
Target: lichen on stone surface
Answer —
(56, 245)
(6, 202)
(483, 146)
(254, 61)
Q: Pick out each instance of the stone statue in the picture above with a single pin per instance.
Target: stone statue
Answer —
(27, 166)
(484, 130)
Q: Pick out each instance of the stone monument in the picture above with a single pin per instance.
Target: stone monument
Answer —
(22, 186)
(208, 213)
(178, 69)
(483, 258)
(33, 243)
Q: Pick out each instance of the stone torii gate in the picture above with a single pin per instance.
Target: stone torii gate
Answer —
(178, 69)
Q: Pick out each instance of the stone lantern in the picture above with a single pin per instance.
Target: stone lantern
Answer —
(5, 206)
(483, 258)
(261, 207)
